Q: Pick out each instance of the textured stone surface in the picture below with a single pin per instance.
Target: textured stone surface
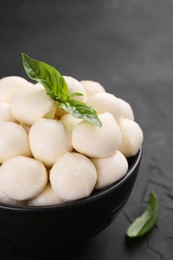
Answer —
(126, 45)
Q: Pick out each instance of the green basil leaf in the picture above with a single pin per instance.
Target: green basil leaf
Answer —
(57, 88)
(147, 220)
(80, 110)
(48, 76)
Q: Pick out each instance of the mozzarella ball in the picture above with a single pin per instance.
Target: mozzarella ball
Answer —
(95, 141)
(126, 109)
(32, 103)
(110, 169)
(75, 86)
(70, 121)
(13, 141)
(105, 102)
(46, 197)
(6, 200)
(5, 113)
(132, 137)
(9, 87)
(73, 176)
(22, 178)
(39, 85)
(48, 140)
(92, 87)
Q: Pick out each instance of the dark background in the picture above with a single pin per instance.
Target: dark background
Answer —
(126, 45)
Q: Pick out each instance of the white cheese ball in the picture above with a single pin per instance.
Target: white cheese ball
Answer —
(13, 141)
(75, 86)
(5, 113)
(132, 137)
(46, 197)
(22, 178)
(39, 85)
(105, 102)
(32, 103)
(9, 87)
(95, 141)
(70, 121)
(6, 200)
(73, 176)
(48, 140)
(110, 169)
(92, 87)
(126, 109)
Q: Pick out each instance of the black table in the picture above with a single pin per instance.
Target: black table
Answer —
(126, 45)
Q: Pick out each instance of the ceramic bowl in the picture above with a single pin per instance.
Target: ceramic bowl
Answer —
(70, 223)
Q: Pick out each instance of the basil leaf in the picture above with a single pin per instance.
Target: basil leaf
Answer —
(80, 110)
(55, 86)
(147, 220)
(48, 76)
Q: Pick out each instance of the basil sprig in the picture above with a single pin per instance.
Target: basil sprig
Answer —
(55, 86)
(147, 220)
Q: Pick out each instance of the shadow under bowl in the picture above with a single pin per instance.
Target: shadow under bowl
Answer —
(66, 224)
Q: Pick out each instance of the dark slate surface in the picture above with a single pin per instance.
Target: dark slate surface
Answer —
(127, 45)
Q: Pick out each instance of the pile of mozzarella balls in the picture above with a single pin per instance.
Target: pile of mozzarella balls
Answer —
(49, 157)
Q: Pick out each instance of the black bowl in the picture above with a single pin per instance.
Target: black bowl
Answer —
(67, 224)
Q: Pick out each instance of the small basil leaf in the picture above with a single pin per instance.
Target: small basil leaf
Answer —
(147, 220)
(80, 110)
(48, 76)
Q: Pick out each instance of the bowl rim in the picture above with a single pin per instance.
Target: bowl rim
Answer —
(79, 202)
